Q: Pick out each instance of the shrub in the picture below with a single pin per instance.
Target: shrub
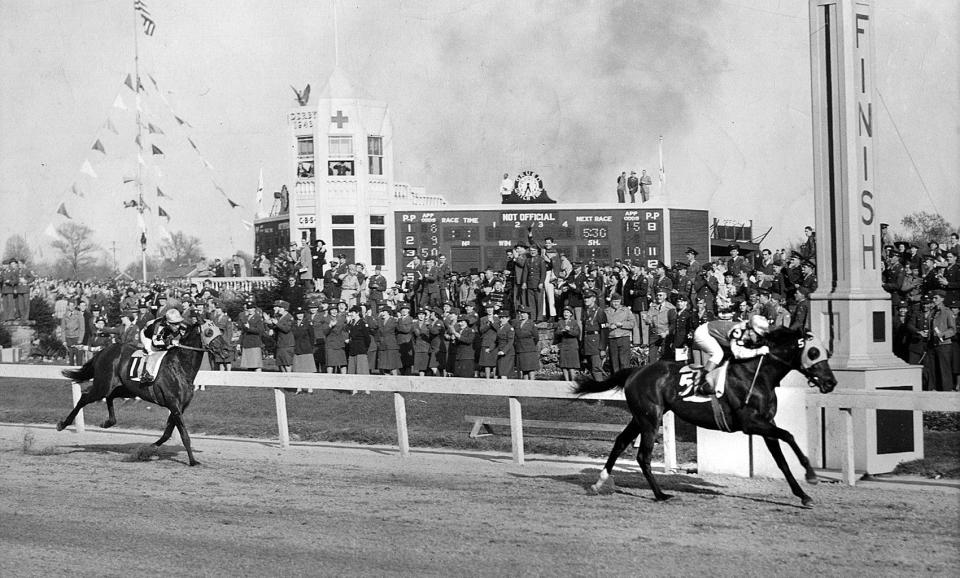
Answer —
(41, 313)
(50, 346)
(5, 338)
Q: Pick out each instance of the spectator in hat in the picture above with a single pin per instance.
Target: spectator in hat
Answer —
(693, 266)
(252, 329)
(73, 327)
(388, 350)
(525, 344)
(303, 340)
(144, 315)
(737, 263)
(622, 187)
(436, 329)
(464, 336)
(808, 250)
(594, 341)
(317, 318)
(912, 258)
(421, 342)
(349, 285)
(358, 343)
(685, 323)
(800, 315)
(533, 284)
(506, 354)
(780, 316)
(660, 281)
(662, 318)
(335, 342)
(950, 279)
(646, 183)
(405, 323)
(376, 286)
(620, 325)
(809, 280)
(939, 334)
(567, 334)
(487, 330)
(282, 324)
(902, 334)
(221, 347)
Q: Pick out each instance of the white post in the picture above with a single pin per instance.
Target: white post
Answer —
(849, 466)
(516, 430)
(669, 443)
(400, 408)
(282, 418)
(78, 426)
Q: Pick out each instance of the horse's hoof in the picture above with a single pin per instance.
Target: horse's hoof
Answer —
(194, 463)
(107, 424)
(605, 486)
(813, 479)
(61, 426)
(664, 497)
(807, 501)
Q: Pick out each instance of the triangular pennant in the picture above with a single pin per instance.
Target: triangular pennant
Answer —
(119, 103)
(154, 82)
(181, 121)
(153, 128)
(162, 213)
(62, 210)
(50, 231)
(219, 188)
(193, 144)
(129, 180)
(137, 140)
(109, 126)
(76, 190)
(139, 85)
(156, 150)
(98, 146)
(129, 82)
(87, 169)
(207, 164)
(161, 194)
(232, 204)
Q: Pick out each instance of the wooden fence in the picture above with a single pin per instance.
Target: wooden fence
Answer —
(513, 389)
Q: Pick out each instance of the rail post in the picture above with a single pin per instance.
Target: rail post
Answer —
(399, 406)
(78, 425)
(516, 430)
(282, 427)
(669, 442)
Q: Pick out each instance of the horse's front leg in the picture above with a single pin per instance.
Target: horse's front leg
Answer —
(120, 392)
(770, 429)
(85, 399)
(648, 436)
(184, 436)
(773, 444)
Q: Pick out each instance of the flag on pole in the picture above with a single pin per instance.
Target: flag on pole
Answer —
(137, 140)
(129, 180)
(182, 122)
(109, 126)
(129, 82)
(156, 150)
(193, 144)
(154, 128)
(149, 26)
(98, 146)
(62, 210)
(162, 213)
(662, 173)
(150, 76)
(118, 103)
(232, 204)
(76, 190)
(87, 169)
(161, 194)
(260, 194)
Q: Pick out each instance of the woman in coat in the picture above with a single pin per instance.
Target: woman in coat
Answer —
(525, 344)
(303, 338)
(568, 335)
(506, 355)
(464, 334)
(488, 341)
(388, 351)
(335, 344)
(421, 343)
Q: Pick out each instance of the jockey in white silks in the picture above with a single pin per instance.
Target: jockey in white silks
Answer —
(738, 337)
(159, 335)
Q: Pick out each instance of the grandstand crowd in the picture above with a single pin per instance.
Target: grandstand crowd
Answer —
(341, 317)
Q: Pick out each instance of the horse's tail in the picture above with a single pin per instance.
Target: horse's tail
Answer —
(82, 374)
(586, 384)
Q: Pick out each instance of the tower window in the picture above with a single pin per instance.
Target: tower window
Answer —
(375, 154)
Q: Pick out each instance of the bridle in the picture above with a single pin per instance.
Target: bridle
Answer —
(812, 380)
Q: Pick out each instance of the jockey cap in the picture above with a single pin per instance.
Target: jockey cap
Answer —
(759, 324)
(173, 316)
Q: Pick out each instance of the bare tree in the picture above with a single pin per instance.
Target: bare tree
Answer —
(76, 246)
(17, 248)
(922, 227)
(181, 249)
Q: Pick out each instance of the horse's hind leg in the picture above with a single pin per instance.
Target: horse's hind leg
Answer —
(167, 432)
(647, 439)
(605, 481)
(184, 436)
(773, 444)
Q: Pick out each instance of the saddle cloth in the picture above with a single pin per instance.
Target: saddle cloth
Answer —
(689, 376)
(139, 358)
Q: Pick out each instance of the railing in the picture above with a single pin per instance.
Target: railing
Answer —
(513, 389)
(848, 400)
(239, 284)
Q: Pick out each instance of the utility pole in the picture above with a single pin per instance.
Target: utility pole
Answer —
(140, 204)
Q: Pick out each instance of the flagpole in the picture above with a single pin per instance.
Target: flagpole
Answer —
(660, 175)
(140, 206)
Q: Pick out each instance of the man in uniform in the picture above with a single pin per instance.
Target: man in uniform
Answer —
(594, 320)
(620, 326)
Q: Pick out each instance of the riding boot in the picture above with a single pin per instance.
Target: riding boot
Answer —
(706, 386)
(146, 378)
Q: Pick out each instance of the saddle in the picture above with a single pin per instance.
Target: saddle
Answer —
(690, 376)
(143, 363)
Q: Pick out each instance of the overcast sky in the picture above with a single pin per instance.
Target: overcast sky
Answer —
(575, 91)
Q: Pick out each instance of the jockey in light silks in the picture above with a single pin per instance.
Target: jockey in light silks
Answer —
(161, 334)
(737, 337)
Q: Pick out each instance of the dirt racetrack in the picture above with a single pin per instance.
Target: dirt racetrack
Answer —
(84, 505)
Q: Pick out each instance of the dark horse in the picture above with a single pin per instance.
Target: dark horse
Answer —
(748, 404)
(172, 388)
